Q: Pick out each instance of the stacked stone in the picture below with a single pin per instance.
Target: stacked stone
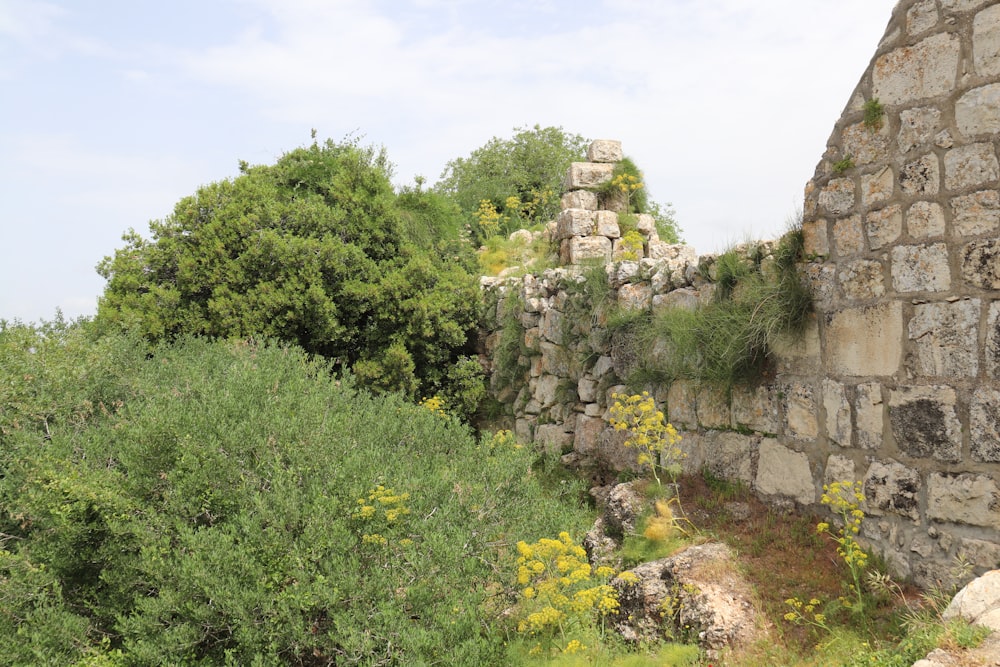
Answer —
(903, 217)
(587, 228)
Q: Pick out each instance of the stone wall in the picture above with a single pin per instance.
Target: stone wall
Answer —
(897, 382)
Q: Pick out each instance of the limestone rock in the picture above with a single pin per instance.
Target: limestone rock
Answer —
(926, 69)
(978, 602)
(892, 487)
(588, 175)
(976, 213)
(584, 199)
(972, 165)
(944, 335)
(604, 150)
(584, 248)
(884, 226)
(877, 187)
(925, 423)
(784, 472)
(704, 594)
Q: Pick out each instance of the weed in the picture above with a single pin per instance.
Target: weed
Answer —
(842, 165)
(874, 115)
(656, 440)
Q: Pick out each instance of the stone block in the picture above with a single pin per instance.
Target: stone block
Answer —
(981, 554)
(635, 296)
(921, 177)
(975, 214)
(555, 359)
(584, 199)
(863, 145)
(546, 389)
(925, 219)
(837, 197)
(554, 438)
(713, 408)
(892, 488)
(927, 69)
(921, 17)
(969, 166)
(821, 279)
(921, 268)
(801, 353)
(924, 422)
(865, 341)
(755, 408)
(984, 424)
(961, 5)
(607, 225)
(681, 404)
(586, 248)
(679, 298)
(582, 175)
(877, 187)
(524, 430)
(945, 337)
(917, 127)
(981, 264)
(587, 434)
(986, 41)
(801, 418)
(729, 455)
(848, 237)
(814, 238)
(838, 412)
(551, 326)
(839, 469)
(604, 150)
(884, 226)
(968, 498)
(862, 279)
(575, 222)
(784, 472)
(991, 355)
(586, 389)
(869, 416)
(978, 111)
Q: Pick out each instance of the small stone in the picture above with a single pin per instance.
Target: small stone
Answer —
(848, 236)
(922, 268)
(605, 150)
(970, 165)
(925, 219)
(921, 177)
(838, 196)
(877, 187)
(862, 279)
(917, 127)
(884, 226)
(977, 213)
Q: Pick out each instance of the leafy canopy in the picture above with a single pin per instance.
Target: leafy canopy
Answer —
(316, 249)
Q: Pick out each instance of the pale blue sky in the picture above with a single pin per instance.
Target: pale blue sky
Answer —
(112, 110)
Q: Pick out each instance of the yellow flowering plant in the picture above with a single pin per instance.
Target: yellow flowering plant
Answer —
(656, 440)
(435, 404)
(844, 499)
(490, 220)
(379, 514)
(560, 592)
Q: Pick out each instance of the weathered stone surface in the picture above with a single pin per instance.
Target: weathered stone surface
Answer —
(978, 603)
(607, 224)
(964, 498)
(546, 388)
(978, 111)
(848, 237)
(921, 17)
(980, 553)
(977, 213)
(921, 268)
(837, 197)
(784, 472)
(583, 248)
(838, 412)
(713, 408)
(890, 487)
(635, 296)
(945, 336)
(555, 359)
(604, 150)
(863, 145)
(981, 264)
(984, 424)
(814, 238)
(623, 272)
(553, 438)
(551, 327)
(862, 279)
(821, 281)
(681, 402)
(755, 408)
(799, 353)
(925, 219)
(801, 420)
(728, 455)
(917, 127)
(587, 434)
(992, 353)
(986, 41)
(877, 187)
(575, 222)
(865, 341)
(869, 416)
(679, 298)
(583, 199)
(884, 226)
(961, 5)
(926, 69)
(924, 422)
(588, 175)
(921, 177)
(586, 389)
(972, 165)
(710, 599)
(839, 469)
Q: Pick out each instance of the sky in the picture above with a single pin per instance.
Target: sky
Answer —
(113, 110)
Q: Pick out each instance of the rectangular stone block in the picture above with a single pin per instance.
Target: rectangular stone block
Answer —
(848, 237)
(589, 248)
(588, 175)
(784, 472)
(607, 224)
(925, 423)
(968, 498)
(985, 39)
(921, 268)
(946, 338)
(837, 197)
(801, 414)
(755, 408)
(584, 199)
(884, 226)
(605, 150)
(575, 222)
(925, 219)
(681, 404)
(978, 111)
(976, 213)
(927, 69)
(968, 166)
(865, 341)
(869, 416)
(838, 412)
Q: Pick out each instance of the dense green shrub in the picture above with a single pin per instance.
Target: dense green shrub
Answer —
(233, 503)
(316, 250)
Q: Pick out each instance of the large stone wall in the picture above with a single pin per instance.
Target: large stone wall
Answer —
(897, 382)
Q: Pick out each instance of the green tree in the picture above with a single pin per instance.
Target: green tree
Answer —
(316, 249)
(520, 178)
